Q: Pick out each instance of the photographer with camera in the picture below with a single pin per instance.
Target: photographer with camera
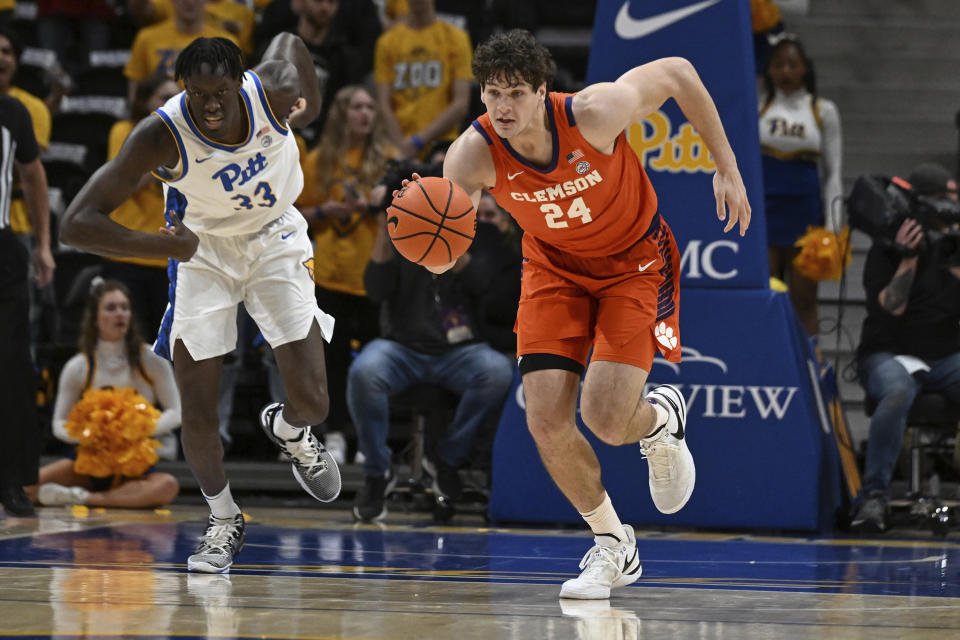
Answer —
(910, 341)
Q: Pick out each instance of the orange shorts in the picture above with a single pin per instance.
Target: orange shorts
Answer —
(625, 306)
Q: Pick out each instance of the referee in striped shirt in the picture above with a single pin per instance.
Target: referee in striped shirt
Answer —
(20, 429)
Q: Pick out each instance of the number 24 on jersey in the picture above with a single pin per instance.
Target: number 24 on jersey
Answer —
(557, 218)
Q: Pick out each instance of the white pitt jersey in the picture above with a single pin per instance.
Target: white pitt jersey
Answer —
(231, 189)
(790, 126)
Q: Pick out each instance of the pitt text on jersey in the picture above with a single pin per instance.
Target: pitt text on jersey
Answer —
(230, 173)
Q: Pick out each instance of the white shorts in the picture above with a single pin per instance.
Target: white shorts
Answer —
(270, 271)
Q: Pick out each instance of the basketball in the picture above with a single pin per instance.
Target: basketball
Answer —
(431, 221)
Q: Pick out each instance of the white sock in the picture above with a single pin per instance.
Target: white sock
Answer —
(222, 505)
(285, 430)
(662, 415)
(605, 523)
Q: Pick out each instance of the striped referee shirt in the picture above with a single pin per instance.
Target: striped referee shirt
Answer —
(17, 144)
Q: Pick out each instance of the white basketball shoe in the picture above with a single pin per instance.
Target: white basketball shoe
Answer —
(608, 564)
(671, 470)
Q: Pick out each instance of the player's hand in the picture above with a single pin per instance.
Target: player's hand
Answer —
(731, 195)
(441, 268)
(296, 114)
(43, 266)
(186, 240)
(413, 178)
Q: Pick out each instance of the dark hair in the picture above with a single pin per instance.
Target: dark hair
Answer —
(221, 54)
(145, 89)
(90, 332)
(783, 41)
(14, 39)
(513, 57)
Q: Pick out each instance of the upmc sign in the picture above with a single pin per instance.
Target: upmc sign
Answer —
(715, 36)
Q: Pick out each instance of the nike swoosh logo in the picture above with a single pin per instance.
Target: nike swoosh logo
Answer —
(199, 160)
(284, 236)
(644, 267)
(630, 28)
(511, 176)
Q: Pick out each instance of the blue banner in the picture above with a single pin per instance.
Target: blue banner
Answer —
(716, 36)
(757, 428)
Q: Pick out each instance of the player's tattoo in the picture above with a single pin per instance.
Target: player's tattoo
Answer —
(895, 294)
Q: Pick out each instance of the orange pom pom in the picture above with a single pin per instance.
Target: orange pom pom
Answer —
(823, 254)
(113, 429)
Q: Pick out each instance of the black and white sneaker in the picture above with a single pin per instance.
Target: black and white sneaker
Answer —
(671, 473)
(313, 466)
(605, 566)
(221, 542)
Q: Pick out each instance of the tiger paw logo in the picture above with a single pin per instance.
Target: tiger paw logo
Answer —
(309, 265)
(664, 336)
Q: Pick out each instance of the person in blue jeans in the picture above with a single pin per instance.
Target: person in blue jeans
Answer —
(910, 340)
(431, 333)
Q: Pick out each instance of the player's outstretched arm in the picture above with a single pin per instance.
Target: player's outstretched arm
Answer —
(605, 109)
(86, 223)
(290, 80)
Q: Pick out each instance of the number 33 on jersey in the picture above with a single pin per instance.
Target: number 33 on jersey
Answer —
(585, 202)
(233, 189)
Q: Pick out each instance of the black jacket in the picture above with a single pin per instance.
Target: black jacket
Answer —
(427, 312)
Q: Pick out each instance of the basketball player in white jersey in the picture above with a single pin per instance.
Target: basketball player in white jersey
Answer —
(230, 170)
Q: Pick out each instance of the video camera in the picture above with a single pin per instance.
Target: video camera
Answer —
(878, 205)
(400, 169)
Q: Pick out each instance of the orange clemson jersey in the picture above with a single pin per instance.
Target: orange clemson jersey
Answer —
(585, 202)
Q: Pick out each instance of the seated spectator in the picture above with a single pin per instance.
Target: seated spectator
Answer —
(335, 57)
(430, 335)
(112, 354)
(339, 180)
(909, 341)
(146, 278)
(422, 71)
(498, 307)
(357, 20)
(229, 15)
(74, 28)
(156, 47)
(10, 50)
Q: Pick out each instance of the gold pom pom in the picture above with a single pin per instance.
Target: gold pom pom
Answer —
(823, 254)
(113, 429)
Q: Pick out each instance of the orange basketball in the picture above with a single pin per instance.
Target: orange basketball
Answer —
(431, 221)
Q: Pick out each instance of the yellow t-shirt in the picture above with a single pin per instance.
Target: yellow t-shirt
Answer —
(143, 211)
(342, 247)
(158, 46)
(8, 5)
(420, 66)
(42, 123)
(228, 15)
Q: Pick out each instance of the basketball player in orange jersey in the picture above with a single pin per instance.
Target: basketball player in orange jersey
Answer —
(601, 270)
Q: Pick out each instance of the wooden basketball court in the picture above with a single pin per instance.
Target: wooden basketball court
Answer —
(313, 573)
